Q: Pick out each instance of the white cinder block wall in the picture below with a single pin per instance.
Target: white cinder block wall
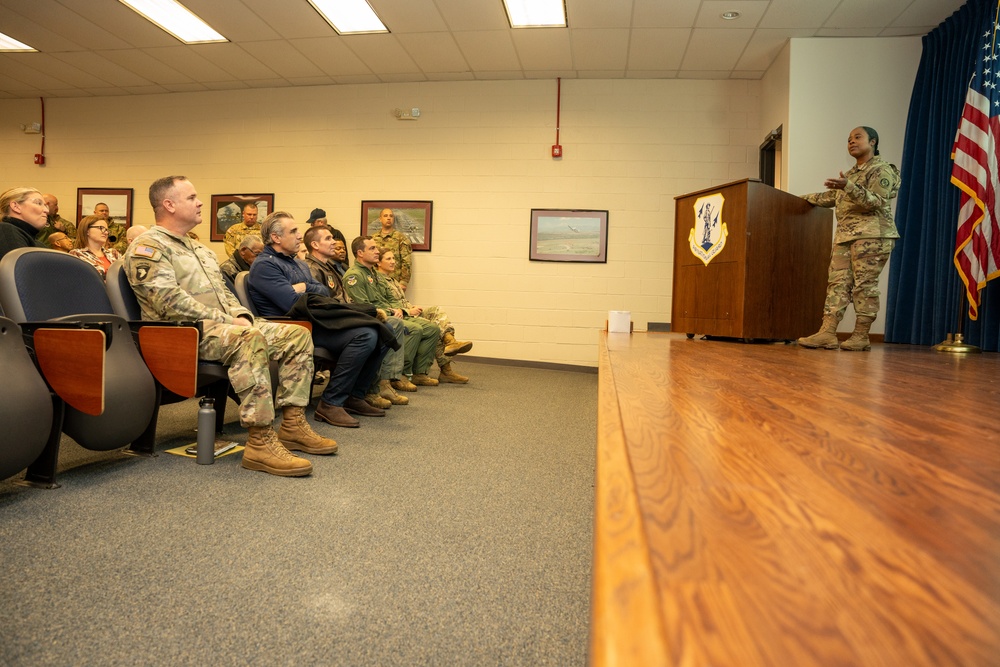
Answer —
(480, 151)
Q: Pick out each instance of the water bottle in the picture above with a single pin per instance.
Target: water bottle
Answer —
(206, 431)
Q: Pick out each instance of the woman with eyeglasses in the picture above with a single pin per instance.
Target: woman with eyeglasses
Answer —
(25, 213)
(91, 238)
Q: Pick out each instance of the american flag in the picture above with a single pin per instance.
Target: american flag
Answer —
(977, 249)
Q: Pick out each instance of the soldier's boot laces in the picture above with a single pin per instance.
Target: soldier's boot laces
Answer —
(378, 401)
(295, 433)
(389, 394)
(448, 374)
(825, 338)
(264, 452)
(423, 380)
(858, 342)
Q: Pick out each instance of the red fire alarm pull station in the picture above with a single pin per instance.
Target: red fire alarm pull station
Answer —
(39, 158)
(556, 150)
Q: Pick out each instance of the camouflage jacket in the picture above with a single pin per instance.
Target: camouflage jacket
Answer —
(177, 278)
(68, 228)
(863, 206)
(399, 244)
(236, 234)
(364, 285)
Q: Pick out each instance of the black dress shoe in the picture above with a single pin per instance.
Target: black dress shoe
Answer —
(357, 406)
(336, 415)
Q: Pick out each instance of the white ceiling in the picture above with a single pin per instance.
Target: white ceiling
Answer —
(100, 47)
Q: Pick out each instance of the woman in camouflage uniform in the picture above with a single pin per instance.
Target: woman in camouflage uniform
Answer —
(864, 239)
(447, 345)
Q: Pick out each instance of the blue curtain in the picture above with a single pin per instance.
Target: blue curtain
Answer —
(925, 291)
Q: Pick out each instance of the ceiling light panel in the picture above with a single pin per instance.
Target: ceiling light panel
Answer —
(10, 44)
(176, 19)
(536, 13)
(349, 17)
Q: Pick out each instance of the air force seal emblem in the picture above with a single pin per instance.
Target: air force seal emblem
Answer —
(708, 236)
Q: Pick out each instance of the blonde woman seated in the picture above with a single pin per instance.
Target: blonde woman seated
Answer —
(91, 237)
(447, 345)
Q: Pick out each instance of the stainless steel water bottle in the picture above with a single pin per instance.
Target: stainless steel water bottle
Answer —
(206, 431)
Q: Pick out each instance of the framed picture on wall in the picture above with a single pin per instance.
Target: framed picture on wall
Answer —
(118, 201)
(227, 210)
(559, 235)
(413, 218)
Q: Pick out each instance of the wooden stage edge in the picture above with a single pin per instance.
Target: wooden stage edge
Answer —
(772, 505)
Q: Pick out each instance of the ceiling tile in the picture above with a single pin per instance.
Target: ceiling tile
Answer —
(796, 14)
(543, 49)
(466, 16)
(402, 16)
(331, 55)
(145, 65)
(657, 49)
(865, 13)
(764, 46)
(289, 19)
(708, 51)
(190, 62)
(434, 51)
(488, 51)
(234, 20)
(923, 13)
(382, 53)
(283, 58)
(660, 14)
(599, 13)
(233, 59)
(599, 49)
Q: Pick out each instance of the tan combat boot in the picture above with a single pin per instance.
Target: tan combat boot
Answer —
(264, 452)
(423, 380)
(825, 338)
(296, 434)
(448, 374)
(453, 346)
(858, 342)
(389, 394)
(402, 384)
(378, 401)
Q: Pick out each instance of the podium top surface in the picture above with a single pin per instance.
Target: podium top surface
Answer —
(716, 188)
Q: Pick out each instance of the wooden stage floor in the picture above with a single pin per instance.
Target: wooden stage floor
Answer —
(772, 505)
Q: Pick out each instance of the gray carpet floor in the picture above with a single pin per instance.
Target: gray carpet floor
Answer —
(454, 531)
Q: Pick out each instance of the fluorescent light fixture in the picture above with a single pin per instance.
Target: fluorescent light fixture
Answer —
(176, 19)
(349, 17)
(536, 13)
(10, 44)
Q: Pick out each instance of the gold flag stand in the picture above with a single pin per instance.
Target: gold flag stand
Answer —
(955, 343)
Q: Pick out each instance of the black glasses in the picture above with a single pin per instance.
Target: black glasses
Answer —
(99, 228)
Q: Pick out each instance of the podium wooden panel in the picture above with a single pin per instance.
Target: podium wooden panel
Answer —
(768, 281)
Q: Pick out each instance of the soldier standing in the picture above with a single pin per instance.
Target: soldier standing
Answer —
(390, 238)
(249, 226)
(176, 278)
(864, 239)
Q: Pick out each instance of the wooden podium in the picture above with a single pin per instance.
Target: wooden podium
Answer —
(760, 269)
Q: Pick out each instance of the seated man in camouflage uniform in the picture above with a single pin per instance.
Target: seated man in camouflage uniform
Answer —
(364, 284)
(56, 223)
(178, 279)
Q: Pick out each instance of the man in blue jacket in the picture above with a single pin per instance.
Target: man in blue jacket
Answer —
(277, 283)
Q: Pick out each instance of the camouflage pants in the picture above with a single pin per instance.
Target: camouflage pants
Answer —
(854, 270)
(247, 352)
(434, 314)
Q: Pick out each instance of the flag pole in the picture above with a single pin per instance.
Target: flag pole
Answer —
(955, 343)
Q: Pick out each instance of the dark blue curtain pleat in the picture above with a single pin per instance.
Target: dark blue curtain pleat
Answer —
(924, 288)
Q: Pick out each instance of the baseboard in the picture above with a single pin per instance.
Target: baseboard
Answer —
(658, 327)
(521, 363)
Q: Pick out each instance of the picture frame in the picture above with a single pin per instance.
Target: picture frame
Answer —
(118, 200)
(568, 235)
(413, 218)
(227, 210)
